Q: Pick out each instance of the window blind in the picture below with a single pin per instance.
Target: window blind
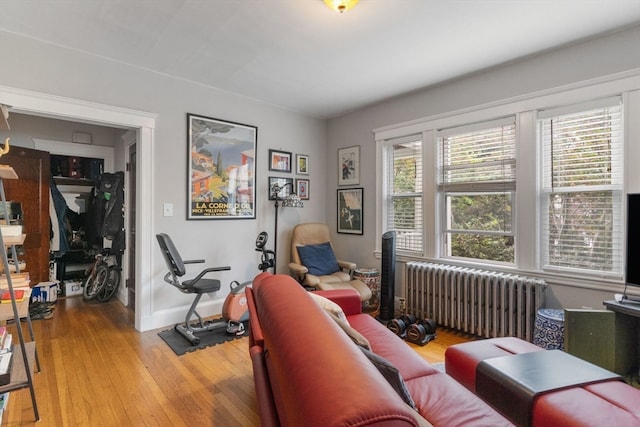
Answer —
(479, 157)
(404, 191)
(583, 186)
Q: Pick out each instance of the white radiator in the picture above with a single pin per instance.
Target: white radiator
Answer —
(479, 302)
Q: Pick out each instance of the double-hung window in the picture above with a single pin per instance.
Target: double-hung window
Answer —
(404, 198)
(582, 187)
(477, 184)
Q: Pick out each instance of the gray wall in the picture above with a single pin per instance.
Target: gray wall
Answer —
(44, 68)
(609, 54)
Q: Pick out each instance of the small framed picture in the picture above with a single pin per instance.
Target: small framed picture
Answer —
(349, 166)
(349, 205)
(302, 188)
(302, 164)
(279, 161)
(285, 185)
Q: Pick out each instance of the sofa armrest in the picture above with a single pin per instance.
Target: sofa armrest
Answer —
(266, 407)
(348, 299)
(255, 330)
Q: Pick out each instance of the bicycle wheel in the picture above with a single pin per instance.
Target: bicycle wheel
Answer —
(111, 287)
(95, 282)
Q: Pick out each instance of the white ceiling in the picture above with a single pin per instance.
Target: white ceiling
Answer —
(300, 55)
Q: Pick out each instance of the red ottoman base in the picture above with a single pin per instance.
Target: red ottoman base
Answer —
(607, 403)
(461, 360)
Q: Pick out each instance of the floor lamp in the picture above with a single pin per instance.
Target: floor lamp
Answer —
(289, 201)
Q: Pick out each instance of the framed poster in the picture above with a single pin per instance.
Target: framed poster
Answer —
(286, 185)
(279, 161)
(302, 164)
(349, 166)
(302, 188)
(350, 209)
(222, 169)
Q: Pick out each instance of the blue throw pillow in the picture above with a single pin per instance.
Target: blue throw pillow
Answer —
(319, 259)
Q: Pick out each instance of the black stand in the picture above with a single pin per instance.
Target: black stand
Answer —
(275, 236)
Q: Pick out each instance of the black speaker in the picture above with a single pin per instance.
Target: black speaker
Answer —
(388, 276)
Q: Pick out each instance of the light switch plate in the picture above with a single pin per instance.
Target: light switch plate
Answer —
(168, 209)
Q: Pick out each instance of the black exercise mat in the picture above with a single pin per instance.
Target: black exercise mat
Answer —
(180, 345)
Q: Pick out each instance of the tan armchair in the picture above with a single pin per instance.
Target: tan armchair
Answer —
(314, 264)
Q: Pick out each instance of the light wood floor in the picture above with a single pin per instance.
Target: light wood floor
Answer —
(97, 370)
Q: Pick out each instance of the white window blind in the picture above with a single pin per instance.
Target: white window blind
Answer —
(404, 192)
(479, 157)
(583, 186)
(477, 183)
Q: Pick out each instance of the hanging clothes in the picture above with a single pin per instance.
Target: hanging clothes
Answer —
(106, 214)
(58, 216)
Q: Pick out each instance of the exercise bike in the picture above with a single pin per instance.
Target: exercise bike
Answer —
(234, 309)
(267, 260)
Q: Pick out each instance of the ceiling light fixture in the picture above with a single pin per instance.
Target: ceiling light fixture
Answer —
(341, 5)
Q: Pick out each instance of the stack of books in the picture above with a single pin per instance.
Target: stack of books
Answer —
(10, 230)
(6, 353)
(18, 280)
(18, 293)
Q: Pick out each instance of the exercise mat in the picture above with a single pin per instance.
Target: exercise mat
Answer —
(180, 345)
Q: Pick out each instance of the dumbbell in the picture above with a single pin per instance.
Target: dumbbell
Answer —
(421, 332)
(400, 325)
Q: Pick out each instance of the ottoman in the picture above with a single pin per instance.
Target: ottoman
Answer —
(610, 402)
(461, 360)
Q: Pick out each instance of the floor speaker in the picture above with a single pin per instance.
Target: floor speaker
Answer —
(388, 276)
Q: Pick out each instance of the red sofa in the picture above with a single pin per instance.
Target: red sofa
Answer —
(308, 372)
(610, 403)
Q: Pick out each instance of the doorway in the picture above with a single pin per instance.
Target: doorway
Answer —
(39, 104)
(131, 228)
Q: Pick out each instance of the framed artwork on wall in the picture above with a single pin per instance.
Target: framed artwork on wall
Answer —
(302, 188)
(285, 183)
(349, 166)
(279, 161)
(350, 211)
(221, 170)
(302, 164)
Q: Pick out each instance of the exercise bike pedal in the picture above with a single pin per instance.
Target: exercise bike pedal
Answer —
(235, 328)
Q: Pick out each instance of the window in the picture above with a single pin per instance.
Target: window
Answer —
(403, 166)
(477, 183)
(582, 186)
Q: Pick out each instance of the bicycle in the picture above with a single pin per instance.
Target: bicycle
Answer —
(103, 277)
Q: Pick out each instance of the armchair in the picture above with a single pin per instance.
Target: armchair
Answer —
(314, 264)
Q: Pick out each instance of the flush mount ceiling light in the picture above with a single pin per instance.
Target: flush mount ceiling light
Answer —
(340, 5)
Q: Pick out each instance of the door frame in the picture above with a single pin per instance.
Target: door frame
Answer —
(40, 104)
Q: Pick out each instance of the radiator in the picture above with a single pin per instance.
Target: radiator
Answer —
(484, 303)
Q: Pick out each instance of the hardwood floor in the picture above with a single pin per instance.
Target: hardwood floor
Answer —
(97, 370)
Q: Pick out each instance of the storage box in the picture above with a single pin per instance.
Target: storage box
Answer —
(72, 288)
(45, 292)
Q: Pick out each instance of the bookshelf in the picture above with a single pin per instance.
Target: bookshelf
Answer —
(24, 353)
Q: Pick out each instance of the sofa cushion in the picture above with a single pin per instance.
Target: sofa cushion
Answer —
(319, 259)
(355, 336)
(329, 306)
(388, 345)
(392, 375)
(445, 402)
(612, 403)
(337, 314)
